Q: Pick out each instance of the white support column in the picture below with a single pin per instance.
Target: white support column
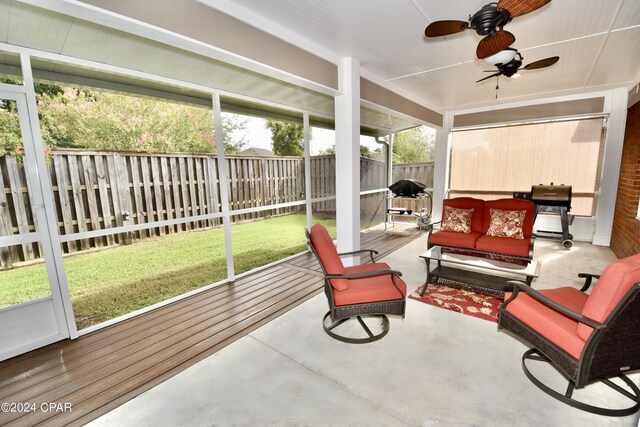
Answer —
(389, 160)
(441, 165)
(611, 167)
(348, 159)
(223, 176)
(307, 169)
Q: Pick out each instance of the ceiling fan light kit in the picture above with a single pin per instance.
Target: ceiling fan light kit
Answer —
(501, 57)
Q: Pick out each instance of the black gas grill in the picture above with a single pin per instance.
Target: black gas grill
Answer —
(554, 199)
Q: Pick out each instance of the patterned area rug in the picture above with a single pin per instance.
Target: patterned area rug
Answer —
(461, 301)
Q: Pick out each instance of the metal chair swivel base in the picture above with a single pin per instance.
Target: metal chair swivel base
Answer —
(634, 394)
(384, 324)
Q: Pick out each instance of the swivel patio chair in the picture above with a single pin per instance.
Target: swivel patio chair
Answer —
(588, 338)
(371, 290)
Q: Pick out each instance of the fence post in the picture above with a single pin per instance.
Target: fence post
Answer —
(212, 192)
(112, 162)
(6, 228)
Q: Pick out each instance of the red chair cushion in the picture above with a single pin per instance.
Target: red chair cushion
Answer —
(504, 245)
(328, 255)
(468, 203)
(370, 289)
(614, 283)
(454, 239)
(554, 326)
(510, 205)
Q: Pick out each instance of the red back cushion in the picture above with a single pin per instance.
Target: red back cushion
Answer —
(468, 203)
(329, 258)
(614, 283)
(510, 205)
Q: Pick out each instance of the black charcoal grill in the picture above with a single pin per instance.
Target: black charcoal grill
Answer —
(554, 199)
(410, 189)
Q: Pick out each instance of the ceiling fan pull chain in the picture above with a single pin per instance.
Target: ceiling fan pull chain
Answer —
(497, 85)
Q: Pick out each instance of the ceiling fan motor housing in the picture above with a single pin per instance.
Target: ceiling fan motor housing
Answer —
(486, 20)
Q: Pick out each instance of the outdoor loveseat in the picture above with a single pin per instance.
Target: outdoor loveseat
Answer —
(501, 226)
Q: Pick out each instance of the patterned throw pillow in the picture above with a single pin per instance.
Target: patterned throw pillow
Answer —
(506, 223)
(458, 220)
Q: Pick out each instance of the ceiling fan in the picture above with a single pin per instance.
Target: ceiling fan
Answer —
(489, 23)
(509, 62)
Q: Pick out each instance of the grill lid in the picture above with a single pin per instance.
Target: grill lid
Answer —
(407, 188)
(551, 193)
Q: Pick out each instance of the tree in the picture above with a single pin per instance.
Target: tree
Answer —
(365, 151)
(10, 137)
(234, 138)
(92, 119)
(329, 151)
(286, 138)
(414, 145)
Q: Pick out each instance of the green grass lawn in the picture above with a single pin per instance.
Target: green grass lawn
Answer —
(116, 281)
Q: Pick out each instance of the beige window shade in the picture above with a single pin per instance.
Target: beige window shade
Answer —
(493, 163)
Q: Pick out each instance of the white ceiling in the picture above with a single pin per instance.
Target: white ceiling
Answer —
(598, 42)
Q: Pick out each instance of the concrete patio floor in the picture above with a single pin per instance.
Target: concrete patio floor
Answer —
(435, 367)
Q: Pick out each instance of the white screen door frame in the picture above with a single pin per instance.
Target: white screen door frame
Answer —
(42, 321)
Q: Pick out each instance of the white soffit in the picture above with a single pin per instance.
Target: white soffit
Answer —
(48, 31)
(595, 39)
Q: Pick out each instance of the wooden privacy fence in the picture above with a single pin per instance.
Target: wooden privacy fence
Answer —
(422, 172)
(93, 191)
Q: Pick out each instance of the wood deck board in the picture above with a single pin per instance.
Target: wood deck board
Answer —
(135, 348)
(132, 372)
(109, 336)
(100, 371)
(95, 348)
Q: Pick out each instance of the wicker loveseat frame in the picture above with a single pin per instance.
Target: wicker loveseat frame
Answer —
(607, 321)
(370, 290)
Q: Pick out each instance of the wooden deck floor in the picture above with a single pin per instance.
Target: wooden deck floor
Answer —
(102, 370)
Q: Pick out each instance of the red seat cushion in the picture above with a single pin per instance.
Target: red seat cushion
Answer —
(328, 255)
(614, 283)
(556, 327)
(504, 245)
(370, 289)
(454, 239)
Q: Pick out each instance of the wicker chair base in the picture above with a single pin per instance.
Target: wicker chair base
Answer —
(328, 328)
(392, 308)
(634, 394)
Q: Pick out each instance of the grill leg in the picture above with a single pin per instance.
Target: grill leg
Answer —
(564, 220)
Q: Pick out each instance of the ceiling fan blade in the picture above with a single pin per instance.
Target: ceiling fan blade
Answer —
(493, 44)
(521, 7)
(444, 28)
(543, 63)
(487, 78)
